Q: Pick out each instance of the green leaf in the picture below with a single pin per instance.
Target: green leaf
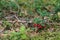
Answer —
(22, 29)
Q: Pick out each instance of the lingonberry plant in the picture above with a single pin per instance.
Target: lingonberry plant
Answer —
(43, 13)
(39, 23)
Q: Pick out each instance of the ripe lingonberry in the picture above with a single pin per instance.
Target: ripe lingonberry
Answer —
(35, 25)
(39, 26)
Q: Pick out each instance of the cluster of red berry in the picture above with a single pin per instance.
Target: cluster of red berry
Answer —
(39, 26)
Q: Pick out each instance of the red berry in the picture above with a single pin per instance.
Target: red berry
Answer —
(35, 25)
(39, 26)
